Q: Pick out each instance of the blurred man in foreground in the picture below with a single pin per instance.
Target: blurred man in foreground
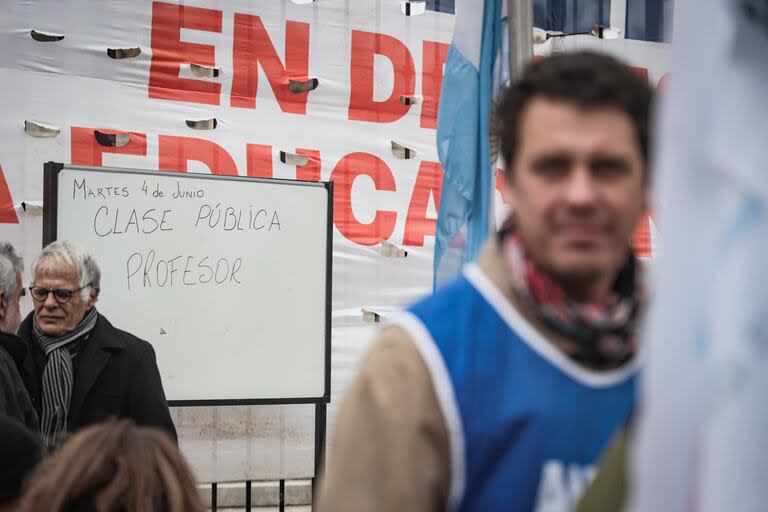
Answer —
(501, 391)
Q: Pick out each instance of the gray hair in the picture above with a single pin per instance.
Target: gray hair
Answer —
(10, 264)
(66, 253)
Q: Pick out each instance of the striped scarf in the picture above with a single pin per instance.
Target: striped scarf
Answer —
(58, 377)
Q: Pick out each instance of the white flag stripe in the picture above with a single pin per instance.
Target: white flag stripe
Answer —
(469, 24)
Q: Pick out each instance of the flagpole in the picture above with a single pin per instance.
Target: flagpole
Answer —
(520, 35)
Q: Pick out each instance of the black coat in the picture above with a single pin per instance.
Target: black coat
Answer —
(14, 399)
(115, 375)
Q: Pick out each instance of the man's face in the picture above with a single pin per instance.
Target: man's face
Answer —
(11, 314)
(578, 187)
(52, 317)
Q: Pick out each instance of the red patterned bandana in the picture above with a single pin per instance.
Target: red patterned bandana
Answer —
(605, 332)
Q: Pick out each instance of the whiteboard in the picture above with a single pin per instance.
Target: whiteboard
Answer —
(227, 277)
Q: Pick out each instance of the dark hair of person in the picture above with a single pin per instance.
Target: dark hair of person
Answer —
(114, 466)
(584, 79)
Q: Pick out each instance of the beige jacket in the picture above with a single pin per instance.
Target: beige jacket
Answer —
(391, 446)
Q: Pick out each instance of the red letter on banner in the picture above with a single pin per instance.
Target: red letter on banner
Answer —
(429, 182)
(168, 53)
(434, 56)
(343, 176)
(86, 151)
(175, 152)
(7, 211)
(252, 46)
(310, 171)
(260, 163)
(259, 160)
(362, 107)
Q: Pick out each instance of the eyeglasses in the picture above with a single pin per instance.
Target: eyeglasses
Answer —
(62, 295)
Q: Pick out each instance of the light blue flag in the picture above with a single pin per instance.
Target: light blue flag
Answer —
(463, 142)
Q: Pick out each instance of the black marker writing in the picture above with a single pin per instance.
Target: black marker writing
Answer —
(108, 221)
(229, 218)
(148, 270)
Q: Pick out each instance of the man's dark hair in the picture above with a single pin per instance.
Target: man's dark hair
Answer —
(585, 79)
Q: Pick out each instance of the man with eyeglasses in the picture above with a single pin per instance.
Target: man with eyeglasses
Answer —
(14, 399)
(79, 369)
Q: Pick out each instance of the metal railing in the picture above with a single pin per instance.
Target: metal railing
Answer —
(247, 499)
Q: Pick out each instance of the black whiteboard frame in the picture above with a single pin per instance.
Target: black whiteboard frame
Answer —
(51, 172)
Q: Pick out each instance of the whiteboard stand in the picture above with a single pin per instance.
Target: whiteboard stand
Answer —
(66, 217)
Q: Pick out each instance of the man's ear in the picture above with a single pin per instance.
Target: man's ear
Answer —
(93, 296)
(509, 179)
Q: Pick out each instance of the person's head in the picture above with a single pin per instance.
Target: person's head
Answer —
(65, 286)
(20, 451)
(574, 135)
(11, 266)
(113, 466)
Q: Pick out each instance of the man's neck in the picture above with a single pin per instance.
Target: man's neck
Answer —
(594, 288)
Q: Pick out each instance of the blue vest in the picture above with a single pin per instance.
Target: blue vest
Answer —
(526, 423)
